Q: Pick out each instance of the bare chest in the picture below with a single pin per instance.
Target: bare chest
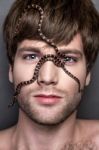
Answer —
(89, 145)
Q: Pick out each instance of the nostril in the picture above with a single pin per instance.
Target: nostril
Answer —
(45, 82)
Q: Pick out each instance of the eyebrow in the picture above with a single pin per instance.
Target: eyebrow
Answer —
(61, 50)
(71, 51)
(30, 49)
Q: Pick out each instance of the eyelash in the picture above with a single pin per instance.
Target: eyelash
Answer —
(30, 56)
(70, 59)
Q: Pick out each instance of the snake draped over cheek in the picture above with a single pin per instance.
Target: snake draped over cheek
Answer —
(57, 59)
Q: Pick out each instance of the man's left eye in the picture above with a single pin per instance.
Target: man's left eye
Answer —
(70, 59)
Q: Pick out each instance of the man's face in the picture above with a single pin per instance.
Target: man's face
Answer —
(54, 96)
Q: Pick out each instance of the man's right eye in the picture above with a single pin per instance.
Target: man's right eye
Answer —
(30, 56)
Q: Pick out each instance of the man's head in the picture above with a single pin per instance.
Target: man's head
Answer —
(73, 27)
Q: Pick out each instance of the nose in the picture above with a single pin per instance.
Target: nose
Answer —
(48, 74)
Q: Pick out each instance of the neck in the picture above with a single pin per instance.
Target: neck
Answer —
(34, 136)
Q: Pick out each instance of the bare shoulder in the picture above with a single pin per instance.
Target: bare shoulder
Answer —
(6, 137)
(90, 130)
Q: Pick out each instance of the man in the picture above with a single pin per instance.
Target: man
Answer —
(51, 46)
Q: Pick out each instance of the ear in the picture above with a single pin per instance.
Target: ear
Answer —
(10, 74)
(88, 78)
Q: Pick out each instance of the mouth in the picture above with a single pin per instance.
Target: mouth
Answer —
(45, 99)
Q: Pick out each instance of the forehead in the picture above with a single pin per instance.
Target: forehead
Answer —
(76, 43)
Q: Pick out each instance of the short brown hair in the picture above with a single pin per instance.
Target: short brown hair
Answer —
(63, 19)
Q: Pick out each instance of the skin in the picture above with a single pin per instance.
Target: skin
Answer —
(50, 126)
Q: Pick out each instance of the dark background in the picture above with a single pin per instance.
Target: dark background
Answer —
(89, 108)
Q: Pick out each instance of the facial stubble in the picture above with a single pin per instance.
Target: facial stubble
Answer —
(48, 115)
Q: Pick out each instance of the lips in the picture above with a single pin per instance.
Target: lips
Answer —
(47, 99)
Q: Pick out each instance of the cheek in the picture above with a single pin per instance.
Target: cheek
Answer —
(81, 75)
(22, 72)
(68, 83)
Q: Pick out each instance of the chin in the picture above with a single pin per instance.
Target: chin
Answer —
(51, 118)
